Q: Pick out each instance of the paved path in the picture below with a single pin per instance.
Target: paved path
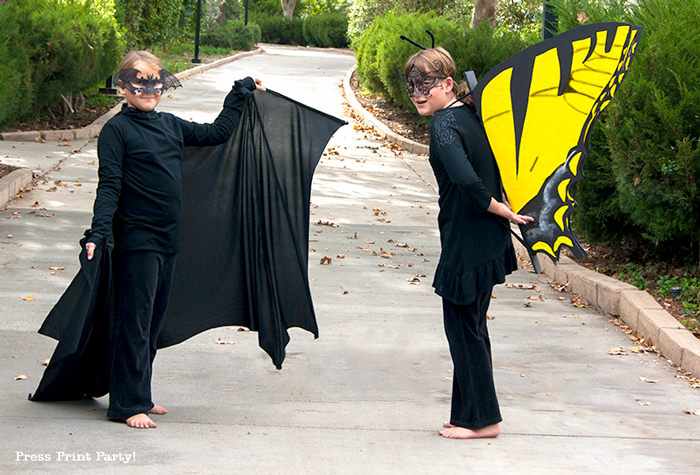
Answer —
(371, 393)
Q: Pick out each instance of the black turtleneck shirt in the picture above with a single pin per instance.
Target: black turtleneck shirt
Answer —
(139, 193)
(477, 252)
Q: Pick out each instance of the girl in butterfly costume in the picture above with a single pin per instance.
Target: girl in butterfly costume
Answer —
(477, 250)
(138, 204)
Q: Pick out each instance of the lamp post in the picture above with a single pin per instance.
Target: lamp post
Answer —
(196, 59)
(549, 21)
(246, 12)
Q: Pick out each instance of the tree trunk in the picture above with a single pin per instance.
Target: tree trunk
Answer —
(288, 7)
(484, 10)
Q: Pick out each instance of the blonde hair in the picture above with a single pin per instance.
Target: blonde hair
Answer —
(135, 56)
(440, 61)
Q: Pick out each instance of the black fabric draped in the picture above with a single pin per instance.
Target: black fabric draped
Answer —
(244, 249)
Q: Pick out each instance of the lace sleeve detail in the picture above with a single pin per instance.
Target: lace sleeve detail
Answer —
(443, 128)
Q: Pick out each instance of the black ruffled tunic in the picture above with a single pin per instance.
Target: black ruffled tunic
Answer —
(477, 251)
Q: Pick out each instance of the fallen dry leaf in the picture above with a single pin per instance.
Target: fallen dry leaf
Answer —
(57, 268)
(692, 412)
(522, 286)
(345, 292)
(647, 380)
(219, 341)
(28, 299)
(326, 260)
(413, 280)
(340, 256)
(45, 362)
(490, 317)
(20, 377)
(617, 351)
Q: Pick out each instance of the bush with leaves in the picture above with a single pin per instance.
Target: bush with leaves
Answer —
(149, 23)
(381, 54)
(653, 126)
(363, 12)
(326, 30)
(232, 34)
(58, 48)
(279, 29)
(642, 176)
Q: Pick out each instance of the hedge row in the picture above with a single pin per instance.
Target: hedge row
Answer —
(642, 179)
(49, 48)
(381, 53)
(232, 34)
(327, 30)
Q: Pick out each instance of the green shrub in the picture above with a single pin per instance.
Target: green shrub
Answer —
(232, 34)
(149, 23)
(363, 12)
(58, 47)
(326, 30)
(279, 29)
(381, 54)
(653, 126)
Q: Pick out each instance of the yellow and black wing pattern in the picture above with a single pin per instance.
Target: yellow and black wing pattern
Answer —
(538, 108)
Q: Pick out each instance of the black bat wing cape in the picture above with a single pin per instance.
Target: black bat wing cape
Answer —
(244, 249)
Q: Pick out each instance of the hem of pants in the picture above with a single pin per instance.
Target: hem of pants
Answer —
(476, 425)
(125, 414)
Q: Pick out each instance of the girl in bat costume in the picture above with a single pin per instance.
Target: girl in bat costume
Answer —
(138, 205)
(477, 251)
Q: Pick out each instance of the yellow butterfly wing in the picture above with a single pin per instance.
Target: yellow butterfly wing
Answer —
(538, 108)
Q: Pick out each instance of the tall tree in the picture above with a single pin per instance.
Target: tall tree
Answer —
(288, 7)
(484, 10)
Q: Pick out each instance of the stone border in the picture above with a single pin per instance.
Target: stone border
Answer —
(381, 129)
(93, 130)
(639, 310)
(13, 183)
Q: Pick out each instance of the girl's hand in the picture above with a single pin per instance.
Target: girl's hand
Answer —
(503, 209)
(90, 249)
(258, 85)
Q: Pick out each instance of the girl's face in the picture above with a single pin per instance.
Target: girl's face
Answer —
(432, 95)
(142, 99)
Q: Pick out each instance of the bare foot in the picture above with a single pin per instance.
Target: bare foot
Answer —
(140, 421)
(158, 410)
(455, 432)
(447, 425)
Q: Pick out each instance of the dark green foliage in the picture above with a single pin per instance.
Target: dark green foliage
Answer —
(232, 34)
(653, 125)
(279, 29)
(642, 178)
(326, 30)
(50, 48)
(150, 22)
(381, 54)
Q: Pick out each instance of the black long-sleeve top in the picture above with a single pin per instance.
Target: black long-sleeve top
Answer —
(139, 193)
(477, 251)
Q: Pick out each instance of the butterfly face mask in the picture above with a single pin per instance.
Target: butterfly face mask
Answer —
(421, 82)
(138, 83)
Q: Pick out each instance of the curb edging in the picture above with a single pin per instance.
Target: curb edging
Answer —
(636, 308)
(382, 130)
(13, 183)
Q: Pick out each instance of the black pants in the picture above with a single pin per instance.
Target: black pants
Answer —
(142, 289)
(474, 401)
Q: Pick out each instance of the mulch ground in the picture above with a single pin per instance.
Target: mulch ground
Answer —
(5, 169)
